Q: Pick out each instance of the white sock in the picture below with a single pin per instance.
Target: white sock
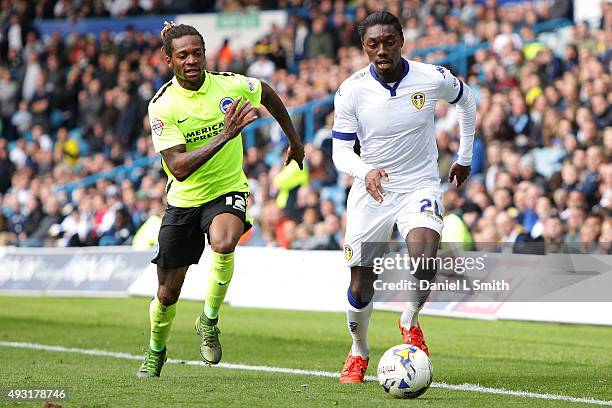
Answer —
(358, 320)
(410, 315)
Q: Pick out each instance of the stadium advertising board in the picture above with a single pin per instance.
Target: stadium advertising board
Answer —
(316, 280)
(79, 272)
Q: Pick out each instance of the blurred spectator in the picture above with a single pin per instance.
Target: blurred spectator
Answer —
(319, 41)
(33, 71)
(456, 228)
(146, 236)
(6, 236)
(321, 172)
(287, 181)
(8, 102)
(7, 168)
(553, 235)
(226, 56)
(262, 68)
(605, 239)
(90, 104)
(22, 118)
(15, 33)
(66, 149)
(507, 228)
(37, 225)
(589, 236)
(122, 230)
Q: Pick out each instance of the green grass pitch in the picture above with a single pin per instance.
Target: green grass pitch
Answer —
(536, 357)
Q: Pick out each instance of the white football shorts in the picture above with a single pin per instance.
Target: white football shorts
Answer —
(369, 221)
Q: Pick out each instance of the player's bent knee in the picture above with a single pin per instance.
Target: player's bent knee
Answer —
(355, 288)
(360, 291)
(361, 285)
(168, 300)
(168, 296)
(226, 245)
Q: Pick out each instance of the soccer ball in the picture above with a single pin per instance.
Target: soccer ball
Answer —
(404, 371)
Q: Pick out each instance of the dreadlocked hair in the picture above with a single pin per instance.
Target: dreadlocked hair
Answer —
(379, 18)
(172, 31)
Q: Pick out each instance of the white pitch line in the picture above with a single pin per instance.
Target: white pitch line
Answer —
(294, 371)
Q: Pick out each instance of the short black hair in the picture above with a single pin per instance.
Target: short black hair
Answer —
(379, 18)
(172, 31)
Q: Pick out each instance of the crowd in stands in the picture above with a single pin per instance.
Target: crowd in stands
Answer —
(77, 106)
(73, 10)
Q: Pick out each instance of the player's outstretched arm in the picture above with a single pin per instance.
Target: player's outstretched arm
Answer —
(274, 105)
(182, 163)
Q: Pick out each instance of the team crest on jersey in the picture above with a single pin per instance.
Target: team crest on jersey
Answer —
(418, 100)
(348, 252)
(157, 126)
(225, 104)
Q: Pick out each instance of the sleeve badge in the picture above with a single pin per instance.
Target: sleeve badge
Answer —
(157, 126)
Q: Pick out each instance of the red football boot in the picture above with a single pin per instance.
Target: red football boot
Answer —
(413, 336)
(354, 369)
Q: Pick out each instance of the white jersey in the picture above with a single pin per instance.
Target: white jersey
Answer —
(395, 122)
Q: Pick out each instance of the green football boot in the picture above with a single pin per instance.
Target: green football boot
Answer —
(210, 347)
(153, 363)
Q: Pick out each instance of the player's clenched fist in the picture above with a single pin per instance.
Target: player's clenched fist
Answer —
(236, 118)
(373, 184)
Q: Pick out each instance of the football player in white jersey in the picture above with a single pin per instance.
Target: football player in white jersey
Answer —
(389, 106)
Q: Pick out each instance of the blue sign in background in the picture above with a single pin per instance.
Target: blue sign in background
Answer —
(96, 25)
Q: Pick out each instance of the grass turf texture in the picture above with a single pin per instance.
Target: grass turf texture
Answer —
(536, 357)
